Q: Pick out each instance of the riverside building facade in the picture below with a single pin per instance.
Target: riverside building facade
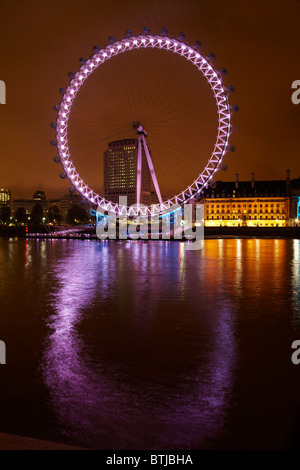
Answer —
(5, 197)
(252, 203)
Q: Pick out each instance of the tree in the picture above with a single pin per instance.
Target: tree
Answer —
(77, 215)
(20, 215)
(4, 214)
(37, 213)
(54, 215)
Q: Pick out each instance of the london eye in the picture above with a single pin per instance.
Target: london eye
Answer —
(203, 65)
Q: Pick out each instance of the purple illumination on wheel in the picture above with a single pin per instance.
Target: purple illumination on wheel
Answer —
(188, 52)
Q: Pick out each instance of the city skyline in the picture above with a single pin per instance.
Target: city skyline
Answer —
(27, 193)
(252, 203)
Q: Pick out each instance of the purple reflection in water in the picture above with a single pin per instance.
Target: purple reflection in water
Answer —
(139, 355)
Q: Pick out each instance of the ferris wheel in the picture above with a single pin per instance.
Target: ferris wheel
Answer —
(214, 78)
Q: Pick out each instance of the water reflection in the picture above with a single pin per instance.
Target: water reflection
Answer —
(140, 352)
(147, 345)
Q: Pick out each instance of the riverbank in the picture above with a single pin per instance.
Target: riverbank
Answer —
(13, 442)
(252, 232)
(209, 232)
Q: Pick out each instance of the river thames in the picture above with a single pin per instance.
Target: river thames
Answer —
(147, 345)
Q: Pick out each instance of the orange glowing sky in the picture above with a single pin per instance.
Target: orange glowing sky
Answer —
(41, 42)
